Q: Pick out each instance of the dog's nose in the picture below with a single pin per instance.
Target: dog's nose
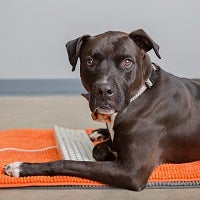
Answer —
(105, 90)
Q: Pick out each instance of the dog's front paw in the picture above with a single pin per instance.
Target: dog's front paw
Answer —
(99, 135)
(13, 169)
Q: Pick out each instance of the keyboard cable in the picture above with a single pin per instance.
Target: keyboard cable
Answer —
(28, 150)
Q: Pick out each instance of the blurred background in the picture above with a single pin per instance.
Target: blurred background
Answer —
(33, 34)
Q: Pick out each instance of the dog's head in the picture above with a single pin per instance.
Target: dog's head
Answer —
(113, 67)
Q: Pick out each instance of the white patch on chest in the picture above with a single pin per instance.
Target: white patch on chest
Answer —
(111, 124)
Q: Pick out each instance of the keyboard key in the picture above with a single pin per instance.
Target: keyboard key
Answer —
(73, 144)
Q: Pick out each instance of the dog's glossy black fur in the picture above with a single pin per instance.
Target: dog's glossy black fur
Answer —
(161, 126)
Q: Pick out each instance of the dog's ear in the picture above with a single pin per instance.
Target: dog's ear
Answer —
(73, 49)
(87, 96)
(144, 41)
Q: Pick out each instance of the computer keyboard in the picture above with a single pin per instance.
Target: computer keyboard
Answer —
(73, 144)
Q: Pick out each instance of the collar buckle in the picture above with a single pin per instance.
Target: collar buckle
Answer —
(149, 83)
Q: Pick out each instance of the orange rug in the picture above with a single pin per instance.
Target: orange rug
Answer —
(168, 175)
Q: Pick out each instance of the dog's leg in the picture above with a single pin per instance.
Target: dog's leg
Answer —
(138, 155)
(104, 151)
(113, 173)
(100, 135)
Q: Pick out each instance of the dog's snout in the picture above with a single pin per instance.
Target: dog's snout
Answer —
(105, 90)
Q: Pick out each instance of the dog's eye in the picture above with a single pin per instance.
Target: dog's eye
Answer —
(126, 63)
(89, 62)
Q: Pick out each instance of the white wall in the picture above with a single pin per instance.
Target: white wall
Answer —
(33, 33)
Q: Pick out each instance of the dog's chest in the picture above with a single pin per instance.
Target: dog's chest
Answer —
(110, 126)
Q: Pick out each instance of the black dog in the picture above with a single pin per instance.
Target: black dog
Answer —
(155, 116)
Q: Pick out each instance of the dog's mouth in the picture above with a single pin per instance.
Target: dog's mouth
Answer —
(102, 115)
(101, 111)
